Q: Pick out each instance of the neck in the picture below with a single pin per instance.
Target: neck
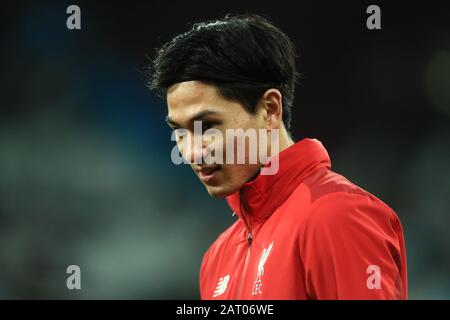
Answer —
(285, 139)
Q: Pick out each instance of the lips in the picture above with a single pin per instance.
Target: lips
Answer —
(208, 173)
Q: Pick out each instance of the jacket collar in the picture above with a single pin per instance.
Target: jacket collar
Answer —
(259, 198)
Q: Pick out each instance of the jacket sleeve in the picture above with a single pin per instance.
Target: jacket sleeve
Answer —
(352, 247)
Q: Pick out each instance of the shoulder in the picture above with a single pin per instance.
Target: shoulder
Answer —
(333, 196)
(333, 202)
(350, 216)
(343, 205)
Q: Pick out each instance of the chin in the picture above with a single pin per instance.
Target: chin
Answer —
(220, 191)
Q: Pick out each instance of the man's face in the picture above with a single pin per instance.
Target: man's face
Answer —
(196, 101)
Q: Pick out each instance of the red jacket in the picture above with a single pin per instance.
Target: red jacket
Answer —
(306, 233)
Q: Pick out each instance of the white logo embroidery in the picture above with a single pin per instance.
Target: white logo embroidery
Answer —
(221, 286)
(257, 286)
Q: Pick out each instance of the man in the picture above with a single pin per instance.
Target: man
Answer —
(302, 231)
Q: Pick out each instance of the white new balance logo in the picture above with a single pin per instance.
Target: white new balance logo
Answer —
(221, 286)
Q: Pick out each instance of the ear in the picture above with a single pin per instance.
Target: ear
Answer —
(273, 108)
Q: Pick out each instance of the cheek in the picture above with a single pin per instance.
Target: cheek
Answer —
(241, 151)
(237, 175)
(230, 173)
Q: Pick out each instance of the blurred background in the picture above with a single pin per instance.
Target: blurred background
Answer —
(85, 170)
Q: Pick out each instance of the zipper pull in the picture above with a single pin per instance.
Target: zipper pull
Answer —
(250, 238)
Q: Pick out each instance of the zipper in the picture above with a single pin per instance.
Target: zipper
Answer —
(244, 269)
(247, 256)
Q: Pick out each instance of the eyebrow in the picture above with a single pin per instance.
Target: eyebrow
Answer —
(195, 117)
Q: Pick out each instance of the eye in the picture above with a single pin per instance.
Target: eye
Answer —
(206, 125)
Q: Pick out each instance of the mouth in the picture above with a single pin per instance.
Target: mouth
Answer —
(208, 173)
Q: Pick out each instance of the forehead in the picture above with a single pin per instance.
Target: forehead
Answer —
(190, 97)
(190, 92)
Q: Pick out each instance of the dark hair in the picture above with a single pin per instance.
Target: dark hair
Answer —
(241, 55)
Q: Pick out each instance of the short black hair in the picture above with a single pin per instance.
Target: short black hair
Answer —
(241, 55)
